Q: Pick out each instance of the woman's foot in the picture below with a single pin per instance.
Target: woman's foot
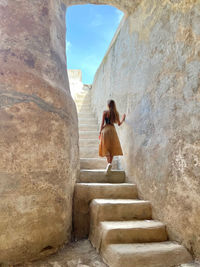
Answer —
(108, 168)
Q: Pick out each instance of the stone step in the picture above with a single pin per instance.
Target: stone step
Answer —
(86, 115)
(116, 210)
(158, 254)
(84, 109)
(96, 163)
(89, 135)
(85, 192)
(89, 142)
(84, 106)
(87, 121)
(120, 210)
(82, 97)
(88, 112)
(83, 94)
(99, 176)
(89, 152)
(83, 102)
(119, 232)
(88, 127)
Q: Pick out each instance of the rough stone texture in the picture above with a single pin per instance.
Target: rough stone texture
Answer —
(129, 232)
(77, 254)
(164, 254)
(126, 6)
(96, 163)
(85, 192)
(38, 131)
(196, 264)
(100, 176)
(152, 71)
(115, 210)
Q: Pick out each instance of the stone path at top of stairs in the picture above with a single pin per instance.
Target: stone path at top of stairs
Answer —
(107, 209)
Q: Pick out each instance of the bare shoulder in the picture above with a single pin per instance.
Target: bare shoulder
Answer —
(105, 112)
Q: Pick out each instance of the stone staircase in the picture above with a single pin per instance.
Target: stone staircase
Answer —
(107, 209)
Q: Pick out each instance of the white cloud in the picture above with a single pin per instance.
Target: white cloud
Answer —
(68, 46)
(120, 15)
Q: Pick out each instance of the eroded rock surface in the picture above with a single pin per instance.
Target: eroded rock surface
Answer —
(126, 6)
(77, 254)
(38, 131)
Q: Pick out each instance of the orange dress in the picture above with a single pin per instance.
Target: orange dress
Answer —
(109, 141)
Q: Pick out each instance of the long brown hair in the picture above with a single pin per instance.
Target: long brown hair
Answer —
(114, 115)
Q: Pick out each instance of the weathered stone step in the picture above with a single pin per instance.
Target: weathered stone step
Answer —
(83, 102)
(161, 254)
(88, 143)
(92, 191)
(81, 97)
(99, 176)
(87, 121)
(86, 115)
(84, 92)
(89, 112)
(120, 210)
(84, 109)
(96, 163)
(89, 152)
(84, 106)
(119, 232)
(85, 192)
(88, 127)
(116, 210)
(89, 135)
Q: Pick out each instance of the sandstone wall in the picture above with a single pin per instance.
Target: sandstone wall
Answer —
(126, 6)
(38, 130)
(152, 70)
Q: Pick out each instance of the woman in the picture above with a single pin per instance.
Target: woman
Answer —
(109, 142)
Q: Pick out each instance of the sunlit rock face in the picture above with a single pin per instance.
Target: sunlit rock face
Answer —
(38, 130)
(152, 71)
(126, 6)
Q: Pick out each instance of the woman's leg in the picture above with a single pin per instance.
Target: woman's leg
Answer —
(109, 159)
(109, 166)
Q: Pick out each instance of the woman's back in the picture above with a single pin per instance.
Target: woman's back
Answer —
(107, 118)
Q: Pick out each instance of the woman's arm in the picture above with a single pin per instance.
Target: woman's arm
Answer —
(123, 119)
(102, 123)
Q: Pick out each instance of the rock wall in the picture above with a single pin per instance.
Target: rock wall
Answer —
(38, 130)
(126, 6)
(152, 70)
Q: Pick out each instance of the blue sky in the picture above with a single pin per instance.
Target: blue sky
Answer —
(90, 29)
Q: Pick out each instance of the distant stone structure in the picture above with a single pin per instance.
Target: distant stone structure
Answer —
(75, 75)
(75, 82)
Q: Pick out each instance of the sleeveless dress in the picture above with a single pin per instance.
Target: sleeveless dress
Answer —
(109, 141)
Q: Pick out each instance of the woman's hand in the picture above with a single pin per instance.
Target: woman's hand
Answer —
(124, 117)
